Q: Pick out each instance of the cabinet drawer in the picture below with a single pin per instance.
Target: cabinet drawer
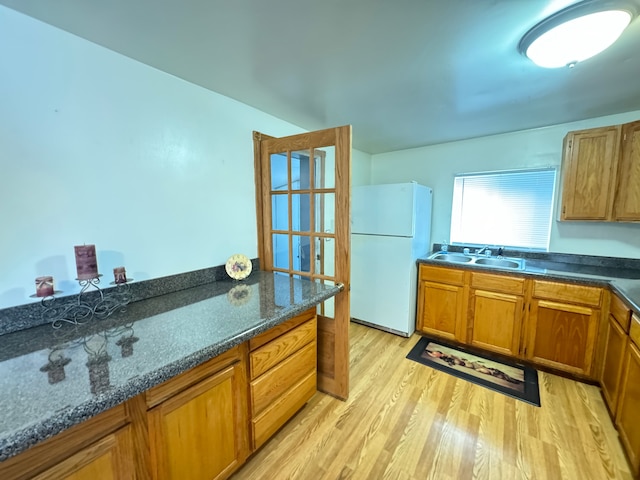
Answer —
(277, 350)
(497, 283)
(277, 414)
(634, 330)
(620, 312)
(442, 275)
(567, 292)
(268, 387)
(284, 327)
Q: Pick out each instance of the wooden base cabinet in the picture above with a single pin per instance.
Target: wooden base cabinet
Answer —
(628, 414)
(200, 431)
(108, 459)
(100, 448)
(496, 312)
(614, 355)
(283, 375)
(562, 335)
(442, 299)
(563, 326)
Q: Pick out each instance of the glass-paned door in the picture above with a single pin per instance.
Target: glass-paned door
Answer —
(304, 230)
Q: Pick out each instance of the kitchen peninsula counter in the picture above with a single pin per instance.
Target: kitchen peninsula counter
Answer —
(52, 379)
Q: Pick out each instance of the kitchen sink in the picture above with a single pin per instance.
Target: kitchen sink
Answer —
(499, 262)
(451, 257)
(493, 262)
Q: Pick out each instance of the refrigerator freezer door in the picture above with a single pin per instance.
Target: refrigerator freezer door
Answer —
(383, 209)
(383, 282)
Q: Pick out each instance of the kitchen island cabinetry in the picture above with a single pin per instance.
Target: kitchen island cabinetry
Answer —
(628, 413)
(442, 300)
(563, 326)
(283, 374)
(107, 459)
(199, 424)
(101, 448)
(496, 310)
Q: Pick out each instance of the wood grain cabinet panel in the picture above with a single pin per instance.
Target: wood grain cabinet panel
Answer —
(284, 373)
(441, 310)
(620, 312)
(200, 433)
(496, 321)
(567, 292)
(562, 335)
(589, 166)
(615, 347)
(274, 352)
(627, 199)
(109, 458)
(274, 383)
(628, 413)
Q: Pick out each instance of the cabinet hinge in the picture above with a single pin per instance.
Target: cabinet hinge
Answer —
(624, 137)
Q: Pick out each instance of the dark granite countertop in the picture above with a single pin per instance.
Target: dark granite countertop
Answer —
(52, 379)
(620, 274)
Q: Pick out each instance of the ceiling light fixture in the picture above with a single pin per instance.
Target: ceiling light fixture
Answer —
(577, 33)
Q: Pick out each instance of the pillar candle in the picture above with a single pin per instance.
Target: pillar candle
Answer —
(120, 275)
(86, 262)
(44, 286)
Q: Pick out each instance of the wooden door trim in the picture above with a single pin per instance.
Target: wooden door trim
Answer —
(333, 336)
(258, 176)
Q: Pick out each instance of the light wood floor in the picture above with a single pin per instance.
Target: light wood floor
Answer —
(404, 420)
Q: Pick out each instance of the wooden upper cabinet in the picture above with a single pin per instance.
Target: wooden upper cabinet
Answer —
(590, 162)
(627, 199)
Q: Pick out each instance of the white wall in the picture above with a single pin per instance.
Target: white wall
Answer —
(436, 165)
(360, 168)
(98, 148)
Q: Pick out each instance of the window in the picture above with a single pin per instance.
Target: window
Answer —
(511, 208)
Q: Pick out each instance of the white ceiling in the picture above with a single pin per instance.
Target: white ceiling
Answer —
(404, 73)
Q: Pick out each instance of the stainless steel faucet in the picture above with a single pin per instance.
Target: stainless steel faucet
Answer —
(484, 250)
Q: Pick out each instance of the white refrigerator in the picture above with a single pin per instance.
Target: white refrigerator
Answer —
(390, 229)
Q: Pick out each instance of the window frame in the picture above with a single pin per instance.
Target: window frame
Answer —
(552, 203)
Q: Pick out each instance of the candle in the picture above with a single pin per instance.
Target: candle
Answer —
(86, 262)
(44, 286)
(120, 275)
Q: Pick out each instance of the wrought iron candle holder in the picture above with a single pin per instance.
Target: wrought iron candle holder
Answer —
(91, 302)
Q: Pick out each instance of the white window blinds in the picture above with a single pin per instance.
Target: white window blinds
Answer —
(511, 208)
